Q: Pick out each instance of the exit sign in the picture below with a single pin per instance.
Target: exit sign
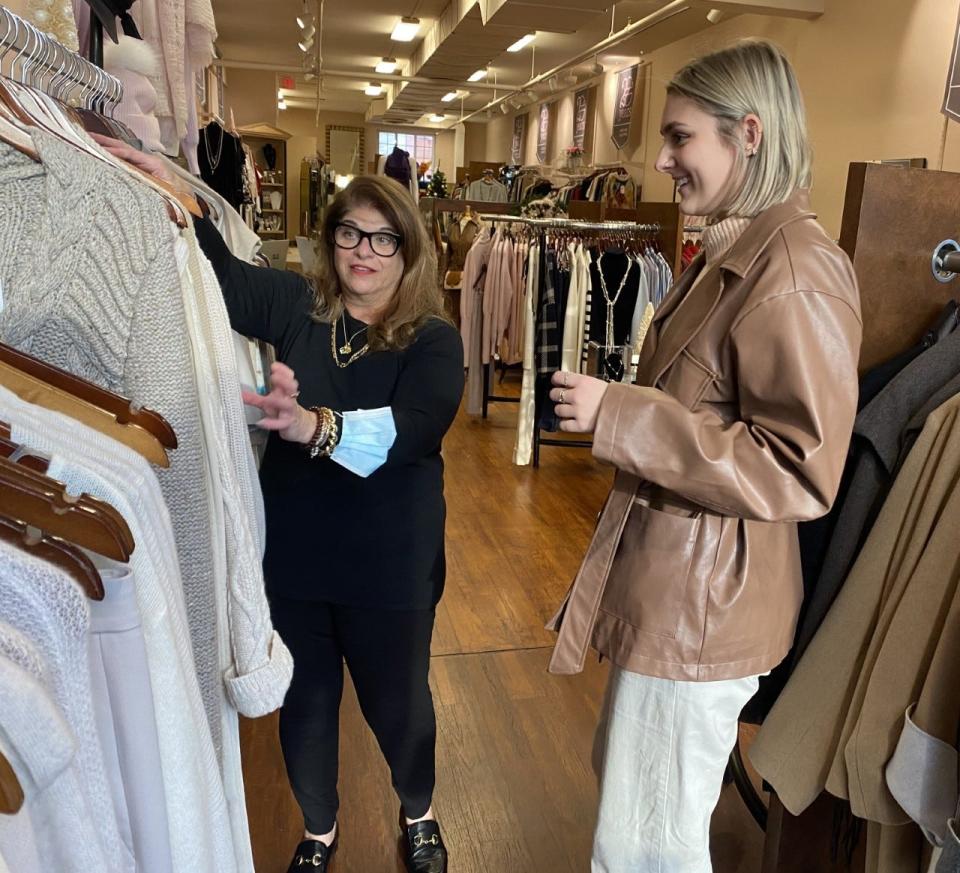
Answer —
(287, 83)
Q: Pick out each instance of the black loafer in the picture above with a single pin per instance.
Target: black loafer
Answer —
(313, 855)
(422, 847)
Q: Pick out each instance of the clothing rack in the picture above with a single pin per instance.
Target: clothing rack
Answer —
(47, 55)
(571, 223)
(547, 224)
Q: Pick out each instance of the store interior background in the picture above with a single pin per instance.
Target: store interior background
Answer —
(872, 73)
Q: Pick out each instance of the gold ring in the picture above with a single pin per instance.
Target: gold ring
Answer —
(561, 397)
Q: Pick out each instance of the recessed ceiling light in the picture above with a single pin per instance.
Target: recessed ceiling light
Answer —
(522, 43)
(374, 89)
(437, 117)
(386, 66)
(449, 96)
(405, 30)
(282, 104)
(477, 76)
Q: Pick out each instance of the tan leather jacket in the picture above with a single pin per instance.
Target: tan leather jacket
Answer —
(693, 572)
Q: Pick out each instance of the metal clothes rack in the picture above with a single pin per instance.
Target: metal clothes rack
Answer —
(41, 54)
(555, 224)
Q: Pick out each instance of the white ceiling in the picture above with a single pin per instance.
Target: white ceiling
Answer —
(356, 34)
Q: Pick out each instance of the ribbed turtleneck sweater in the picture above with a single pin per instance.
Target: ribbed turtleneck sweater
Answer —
(719, 238)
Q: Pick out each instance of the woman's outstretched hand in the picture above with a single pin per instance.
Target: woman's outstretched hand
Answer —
(148, 163)
(281, 411)
(578, 401)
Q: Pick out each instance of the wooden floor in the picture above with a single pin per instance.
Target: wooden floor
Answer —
(515, 791)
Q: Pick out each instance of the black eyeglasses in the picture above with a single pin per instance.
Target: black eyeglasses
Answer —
(385, 244)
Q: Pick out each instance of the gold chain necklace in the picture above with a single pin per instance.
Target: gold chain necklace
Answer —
(347, 348)
(333, 348)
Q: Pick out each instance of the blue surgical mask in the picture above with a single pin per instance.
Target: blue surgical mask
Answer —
(367, 436)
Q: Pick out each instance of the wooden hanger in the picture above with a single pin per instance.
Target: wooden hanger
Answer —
(11, 794)
(16, 453)
(39, 393)
(54, 551)
(120, 407)
(31, 498)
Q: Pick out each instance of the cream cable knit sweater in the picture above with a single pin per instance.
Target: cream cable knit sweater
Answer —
(42, 750)
(46, 606)
(200, 828)
(90, 284)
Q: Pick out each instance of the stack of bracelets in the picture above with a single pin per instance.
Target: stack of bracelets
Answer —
(327, 434)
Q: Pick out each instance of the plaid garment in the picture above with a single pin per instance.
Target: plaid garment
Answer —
(548, 327)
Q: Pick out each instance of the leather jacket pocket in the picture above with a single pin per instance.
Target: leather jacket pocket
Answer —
(647, 584)
(687, 379)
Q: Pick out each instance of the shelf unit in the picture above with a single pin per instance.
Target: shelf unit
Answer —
(259, 137)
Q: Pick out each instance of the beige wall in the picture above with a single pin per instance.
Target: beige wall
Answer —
(872, 73)
(598, 146)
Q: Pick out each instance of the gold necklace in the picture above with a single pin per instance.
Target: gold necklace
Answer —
(333, 349)
(346, 348)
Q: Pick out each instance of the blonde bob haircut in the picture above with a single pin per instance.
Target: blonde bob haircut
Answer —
(753, 76)
(418, 297)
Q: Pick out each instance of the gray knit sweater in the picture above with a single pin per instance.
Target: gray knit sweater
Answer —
(89, 283)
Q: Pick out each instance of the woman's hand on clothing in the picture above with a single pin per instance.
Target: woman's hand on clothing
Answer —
(280, 409)
(578, 400)
(148, 163)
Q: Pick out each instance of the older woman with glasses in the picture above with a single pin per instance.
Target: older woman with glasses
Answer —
(369, 379)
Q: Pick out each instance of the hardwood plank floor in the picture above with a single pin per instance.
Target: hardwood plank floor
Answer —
(515, 789)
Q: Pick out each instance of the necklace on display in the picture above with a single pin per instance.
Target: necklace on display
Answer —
(609, 339)
(333, 347)
(213, 162)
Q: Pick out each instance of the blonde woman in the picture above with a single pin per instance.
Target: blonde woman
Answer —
(737, 429)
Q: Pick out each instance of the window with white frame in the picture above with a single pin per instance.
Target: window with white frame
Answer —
(418, 145)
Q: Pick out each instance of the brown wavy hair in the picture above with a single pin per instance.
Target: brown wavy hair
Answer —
(418, 297)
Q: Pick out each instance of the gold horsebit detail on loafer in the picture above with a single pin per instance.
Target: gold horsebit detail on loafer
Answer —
(419, 841)
(315, 861)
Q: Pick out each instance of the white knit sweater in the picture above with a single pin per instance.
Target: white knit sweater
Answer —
(90, 284)
(54, 829)
(46, 606)
(200, 827)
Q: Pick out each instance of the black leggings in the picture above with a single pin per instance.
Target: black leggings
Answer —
(388, 655)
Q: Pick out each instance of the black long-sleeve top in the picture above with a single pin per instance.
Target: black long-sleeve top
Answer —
(332, 535)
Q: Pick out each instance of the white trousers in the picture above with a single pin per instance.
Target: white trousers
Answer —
(660, 753)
